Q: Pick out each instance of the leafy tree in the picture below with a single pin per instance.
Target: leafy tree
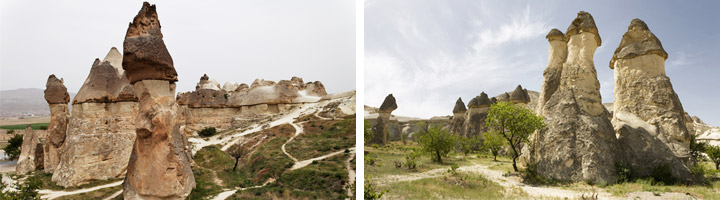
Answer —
(13, 148)
(513, 123)
(714, 153)
(466, 145)
(493, 142)
(437, 142)
(207, 131)
(696, 149)
(368, 131)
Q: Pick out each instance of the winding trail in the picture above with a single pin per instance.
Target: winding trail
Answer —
(351, 173)
(298, 131)
(51, 194)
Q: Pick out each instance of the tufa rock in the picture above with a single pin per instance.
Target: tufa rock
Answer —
(27, 162)
(145, 56)
(206, 83)
(459, 106)
(159, 164)
(104, 84)
(458, 118)
(380, 126)
(478, 108)
(557, 54)
(57, 97)
(579, 142)
(519, 95)
(648, 117)
(388, 104)
(55, 91)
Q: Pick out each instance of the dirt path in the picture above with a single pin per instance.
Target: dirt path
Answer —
(298, 131)
(51, 194)
(351, 173)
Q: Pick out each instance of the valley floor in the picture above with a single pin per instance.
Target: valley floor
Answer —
(479, 177)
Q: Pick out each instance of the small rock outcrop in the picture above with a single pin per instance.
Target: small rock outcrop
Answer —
(579, 141)
(27, 162)
(380, 126)
(100, 131)
(648, 117)
(519, 96)
(458, 118)
(58, 98)
(159, 166)
(475, 116)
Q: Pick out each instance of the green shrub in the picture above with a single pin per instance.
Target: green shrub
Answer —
(453, 169)
(11, 131)
(369, 159)
(13, 148)
(624, 173)
(207, 132)
(43, 127)
(662, 174)
(370, 192)
(411, 159)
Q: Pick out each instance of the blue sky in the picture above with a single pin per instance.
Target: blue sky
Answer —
(236, 41)
(429, 53)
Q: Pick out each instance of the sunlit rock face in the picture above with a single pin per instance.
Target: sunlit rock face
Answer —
(159, 164)
(381, 124)
(579, 141)
(100, 131)
(58, 98)
(475, 116)
(648, 117)
(458, 119)
(28, 160)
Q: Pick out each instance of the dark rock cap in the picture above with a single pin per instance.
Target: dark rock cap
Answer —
(584, 22)
(493, 100)
(555, 34)
(459, 106)
(519, 95)
(55, 91)
(638, 41)
(479, 101)
(145, 56)
(104, 85)
(388, 105)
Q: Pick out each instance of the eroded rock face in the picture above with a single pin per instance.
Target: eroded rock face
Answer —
(27, 162)
(58, 98)
(557, 54)
(159, 166)
(100, 132)
(648, 116)
(519, 96)
(578, 142)
(206, 83)
(380, 126)
(458, 119)
(475, 116)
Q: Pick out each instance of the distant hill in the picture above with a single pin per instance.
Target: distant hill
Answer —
(24, 102)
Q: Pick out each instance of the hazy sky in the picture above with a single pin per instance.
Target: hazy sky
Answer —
(428, 53)
(235, 41)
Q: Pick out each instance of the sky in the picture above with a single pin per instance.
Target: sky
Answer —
(428, 53)
(231, 41)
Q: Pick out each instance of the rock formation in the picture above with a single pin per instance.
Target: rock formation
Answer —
(100, 131)
(557, 54)
(57, 98)
(519, 96)
(648, 116)
(458, 119)
(27, 162)
(159, 166)
(475, 116)
(380, 127)
(578, 142)
(210, 106)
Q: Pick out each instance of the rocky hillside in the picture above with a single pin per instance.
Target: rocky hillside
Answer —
(24, 102)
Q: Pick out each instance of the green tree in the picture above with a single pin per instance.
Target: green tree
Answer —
(714, 153)
(466, 145)
(493, 142)
(696, 149)
(13, 148)
(437, 142)
(513, 123)
(368, 131)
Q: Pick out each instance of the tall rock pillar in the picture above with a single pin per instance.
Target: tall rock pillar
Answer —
(57, 98)
(458, 119)
(159, 166)
(648, 117)
(27, 162)
(380, 127)
(579, 142)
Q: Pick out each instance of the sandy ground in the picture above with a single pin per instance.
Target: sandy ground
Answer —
(51, 194)
(25, 121)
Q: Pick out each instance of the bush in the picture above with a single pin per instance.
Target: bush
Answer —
(453, 169)
(207, 132)
(11, 131)
(13, 148)
(370, 192)
(369, 159)
(624, 173)
(662, 174)
(411, 159)
(43, 127)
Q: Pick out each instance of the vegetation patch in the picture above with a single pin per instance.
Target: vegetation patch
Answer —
(35, 126)
(97, 194)
(45, 181)
(460, 186)
(322, 137)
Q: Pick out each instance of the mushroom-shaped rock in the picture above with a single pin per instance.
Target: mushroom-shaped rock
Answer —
(583, 23)
(55, 91)
(555, 34)
(459, 106)
(388, 104)
(480, 101)
(636, 42)
(145, 56)
(159, 164)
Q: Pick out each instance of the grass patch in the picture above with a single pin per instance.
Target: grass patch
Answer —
(35, 126)
(47, 183)
(323, 179)
(321, 137)
(97, 194)
(213, 171)
(460, 186)
(267, 162)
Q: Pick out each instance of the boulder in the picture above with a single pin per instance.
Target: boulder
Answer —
(27, 162)
(159, 164)
(578, 143)
(648, 117)
(57, 97)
